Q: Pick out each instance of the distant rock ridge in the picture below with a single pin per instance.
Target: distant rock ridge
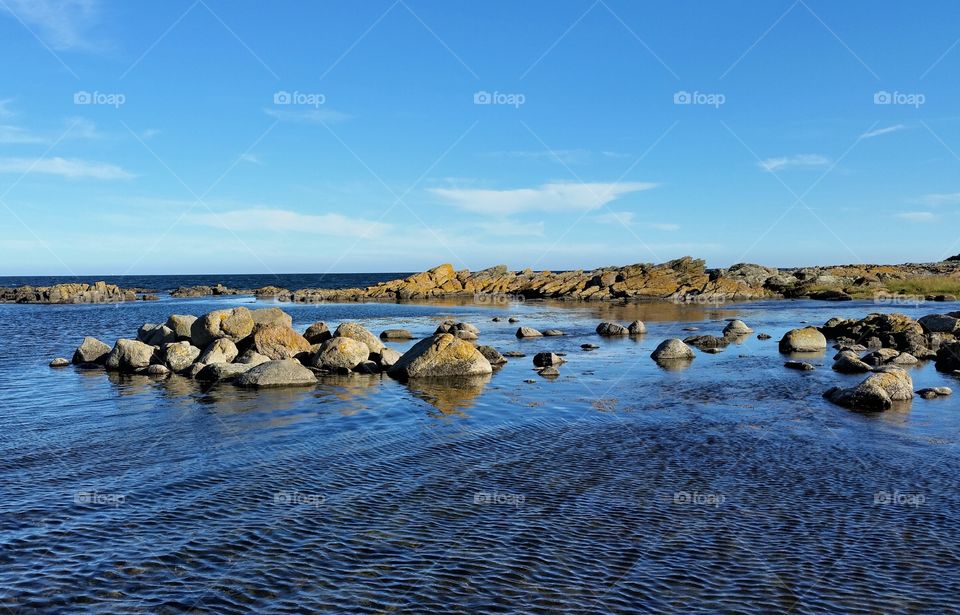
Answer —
(684, 279)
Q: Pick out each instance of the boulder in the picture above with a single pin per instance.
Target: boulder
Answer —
(252, 358)
(59, 362)
(277, 341)
(156, 335)
(880, 356)
(808, 339)
(764, 336)
(636, 328)
(181, 325)
(878, 392)
(706, 342)
(357, 332)
(549, 372)
(800, 366)
(466, 335)
(882, 331)
(492, 355)
(317, 333)
(179, 356)
(940, 323)
(934, 392)
(271, 316)
(216, 372)
(387, 357)
(948, 357)
(736, 327)
(848, 362)
(528, 332)
(441, 356)
(546, 359)
(158, 370)
(341, 353)
(233, 325)
(672, 350)
(222, 350)
(91, 350)
(553, 333)
(285, 373)
(610, 329)
(396, 334)
(129, 355)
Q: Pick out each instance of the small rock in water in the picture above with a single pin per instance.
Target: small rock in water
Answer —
(589, 346)
(611, 329)
(396, 334)
(512, 319)
(514, 354)
(492, 355)
(59, 362)
(763, 336)
(158, 370)
(549, 372)
(496, 319)
(546, 359)
(934, 392)
(712, 350)
(637, 328)
(528, 381)
(799, 365)
(691, 328)
(808, 339)
(736, 327)
(528, 332)
(671, 350)
(553, 333)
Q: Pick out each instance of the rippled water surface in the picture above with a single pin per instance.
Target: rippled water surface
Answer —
(729, 486)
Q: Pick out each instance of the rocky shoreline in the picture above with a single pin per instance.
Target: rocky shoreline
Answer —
(685, 280)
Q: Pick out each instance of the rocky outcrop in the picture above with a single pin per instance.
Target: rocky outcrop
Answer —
(98, 292)
(896, 331)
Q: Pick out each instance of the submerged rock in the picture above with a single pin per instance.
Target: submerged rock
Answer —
(284, 373)
(800, 366)
(91, 350)
(396, 334)
(808, 339)
(877, 392)
(705, 342)
(549, 372)
(59, 362)
(672, 350)
(441, 356)
(553, 333)
(528, 332)
(934, 392)
(611, 329)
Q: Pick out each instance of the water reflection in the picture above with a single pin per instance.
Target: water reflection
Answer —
(451, 396)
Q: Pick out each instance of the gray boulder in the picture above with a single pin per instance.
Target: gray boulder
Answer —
(387, 357)
(59, 362)
(180, 355)
(878, 392)
(271, 316)
(233, 325)
(216, 372)
(611, 329)
(285, 373)
(672, 350)
(181, 324)
(736, 327)
(636, 328)
(342, 353)
(222, 350)
(528, 332)
(441, 356)
(940, 323)
(156, 335)
(251, 358)
(547, 359)
(848, 362)
(807, 339)
(357, 332)
(91, 350)
(396, 334)
(492, 355)
(129, 355)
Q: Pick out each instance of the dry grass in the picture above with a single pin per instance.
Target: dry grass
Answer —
(927, 285)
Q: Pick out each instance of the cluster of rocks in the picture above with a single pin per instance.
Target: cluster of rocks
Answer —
(99, 292)
(259, 348)
(182, 292)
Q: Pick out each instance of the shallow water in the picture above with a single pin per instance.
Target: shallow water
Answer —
(729, 486)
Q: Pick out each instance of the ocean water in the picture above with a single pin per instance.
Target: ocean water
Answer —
(619, 487)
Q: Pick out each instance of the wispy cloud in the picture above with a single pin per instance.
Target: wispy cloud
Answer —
(882, 131)
(77, 129)
(629, 218)
(251, 158)
(553, 197)
(62, 24)
(513, 228)
(15, 135)
(286, 221)
(799, 160)
(917, 216)
(308, 116)
(950, 198)
(69, 168)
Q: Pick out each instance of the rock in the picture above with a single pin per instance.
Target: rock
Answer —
(277, 342)
(948, 357)
(880, 356)
(129, 355)
(848, 362)
(233, 325)
(368, 367)
(704, 342)
(904, 358)
(91, 350)
(194, 370)
(934, 392)
(59, 362)
(589, 346)
(284, 373)
(441, 356)
(829, 295)
(799, 365)
(181, 325)
(496, 319)
(547, 359)
(251, 357)
(549, 372)
(553, 333)
(877, 392)
(894, 330)
(671, 350)
(611, 329)
(763, 336)
(158, 370)
(636, 328)
(342, 354)
(712, 350)
(388, 357)
(222, 350)
(179, 356)
(359, 333)
(808, 339)
(492, 355)
(217, 372)
(940, 323)
(528, 332)
(466, 335)
(156, 335)
(396, 334)
(272, 316)
(736, 327)
(317, 333)
(513, 320)
(514, 354)
(895, 381)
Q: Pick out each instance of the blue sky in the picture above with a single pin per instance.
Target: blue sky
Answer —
(204, 136)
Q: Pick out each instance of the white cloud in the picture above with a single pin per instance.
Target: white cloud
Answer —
(952, 198)
(149, 133)
(62, 24)
(308, 116)
(513, 228)
(281, 220)
(629, 218)
(917, 216)
(15, 135)
(664, 226)
(70, 168)
(251, 158)
(552, 197)
(799, 160)
(882, 131)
